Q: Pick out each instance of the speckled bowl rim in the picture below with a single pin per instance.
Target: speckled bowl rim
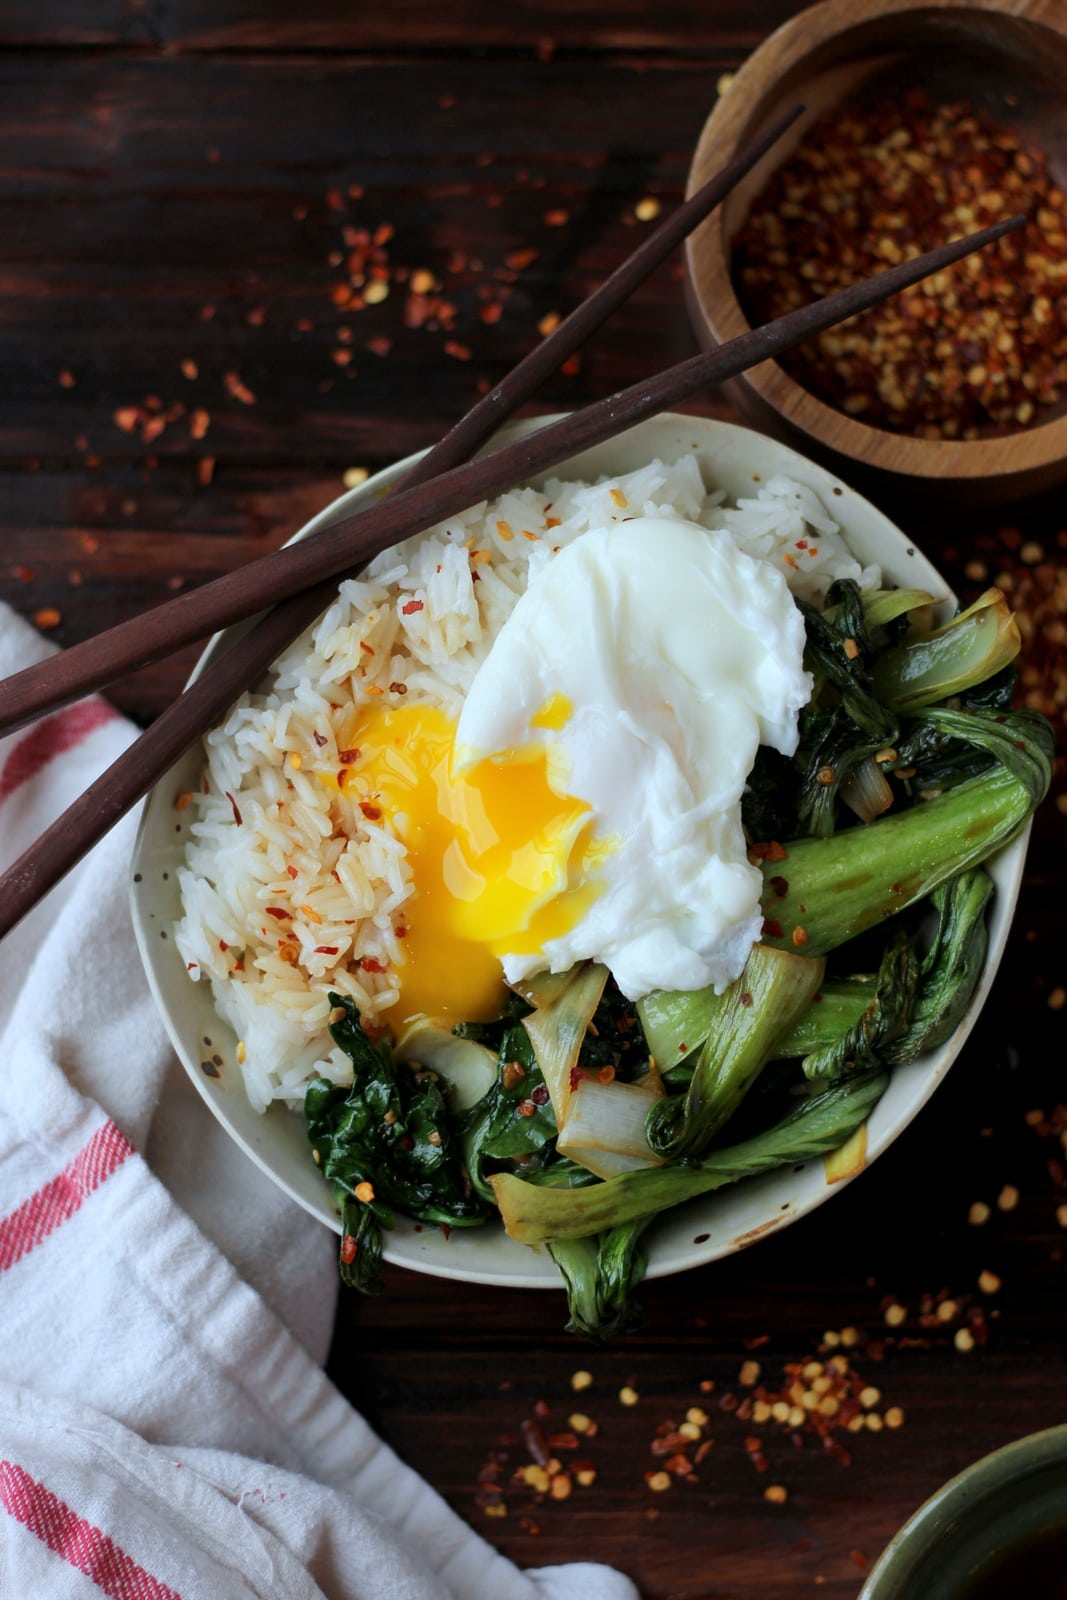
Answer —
(702, 1230)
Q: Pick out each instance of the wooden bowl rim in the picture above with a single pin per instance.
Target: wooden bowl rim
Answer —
(734, 115)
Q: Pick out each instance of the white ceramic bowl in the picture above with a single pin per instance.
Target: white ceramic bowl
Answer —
(734, 459)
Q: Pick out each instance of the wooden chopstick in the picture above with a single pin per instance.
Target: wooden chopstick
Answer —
(91, 816)
(30, 694)
(357, 538)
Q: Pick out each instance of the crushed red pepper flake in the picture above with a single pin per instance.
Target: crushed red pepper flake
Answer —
(239, 390)
(977, 349)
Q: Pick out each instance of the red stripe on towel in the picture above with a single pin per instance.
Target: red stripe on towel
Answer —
(81, 1545)
(52, 738)
(62, 1196)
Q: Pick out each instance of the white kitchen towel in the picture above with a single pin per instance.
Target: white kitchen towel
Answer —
(166, 1430)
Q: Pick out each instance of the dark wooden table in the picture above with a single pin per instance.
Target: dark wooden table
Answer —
(185, 379)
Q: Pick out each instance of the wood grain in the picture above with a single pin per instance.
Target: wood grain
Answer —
(327, 28)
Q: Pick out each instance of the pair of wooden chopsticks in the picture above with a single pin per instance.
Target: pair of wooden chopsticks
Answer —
(304, 576)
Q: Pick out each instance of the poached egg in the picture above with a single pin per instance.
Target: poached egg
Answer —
(587, 803)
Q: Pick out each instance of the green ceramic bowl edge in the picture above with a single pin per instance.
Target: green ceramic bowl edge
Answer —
(1001, 1497)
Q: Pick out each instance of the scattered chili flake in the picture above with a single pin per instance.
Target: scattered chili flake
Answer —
(772, 928)
(349, 1249)
(238, 389)
(769, 850)
(526, 1108)
(234, 808)
(459, 352)
(369, 964)
(370, 811)
(411, 606)
(326, 949)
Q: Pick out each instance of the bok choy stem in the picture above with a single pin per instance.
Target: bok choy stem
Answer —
(533, 1214)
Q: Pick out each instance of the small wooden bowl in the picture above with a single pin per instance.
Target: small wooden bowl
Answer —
(1007, 56)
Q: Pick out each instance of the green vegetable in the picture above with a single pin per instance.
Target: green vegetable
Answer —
(834, 889)
(838, 1006)
(838, 652)
(360, 1255)
(514, 1121)
(391, 1130)
(862, 1047)
(951, 967)
(534, 1214)
(841, 731)
(676, 1022)
(883, 606)
(974, 646)
(557, 1026)
(747, 1019)
(600, 1275)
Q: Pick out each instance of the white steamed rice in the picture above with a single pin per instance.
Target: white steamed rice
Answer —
(288, 890)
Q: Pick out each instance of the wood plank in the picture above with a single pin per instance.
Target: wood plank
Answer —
(543, 28)
(185, 223)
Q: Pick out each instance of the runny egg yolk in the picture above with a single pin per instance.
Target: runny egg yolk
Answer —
(501, 860)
